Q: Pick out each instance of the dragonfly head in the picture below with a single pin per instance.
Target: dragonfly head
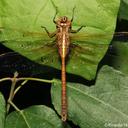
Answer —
(63, 22)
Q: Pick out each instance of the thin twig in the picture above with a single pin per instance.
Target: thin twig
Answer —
(19, 87)
(20, 112)
(6, 78)
(11, 95)
(35, 79)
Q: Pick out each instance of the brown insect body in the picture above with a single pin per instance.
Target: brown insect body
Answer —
(62, 34)
(63, 31)
(63, 42)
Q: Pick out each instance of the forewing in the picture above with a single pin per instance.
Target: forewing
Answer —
(39, 52)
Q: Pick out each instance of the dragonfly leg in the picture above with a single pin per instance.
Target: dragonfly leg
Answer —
(75, 31)
(73, 14)
(56, 9)
(55, 15)
(49, 34)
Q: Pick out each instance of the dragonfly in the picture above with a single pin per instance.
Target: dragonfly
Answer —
(10, 59)
(64, 49)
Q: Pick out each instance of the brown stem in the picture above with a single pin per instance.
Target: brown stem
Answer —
(11, 95)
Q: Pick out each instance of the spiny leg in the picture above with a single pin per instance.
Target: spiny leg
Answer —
(75, 31)
(56, 9)
(49, 34)
(54, 33)
(54, 18)
(73, 13)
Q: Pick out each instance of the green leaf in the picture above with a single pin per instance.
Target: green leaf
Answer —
(2, 111)
(36, 116)
(120, 60)
(99, 106)
(123, 12)
(21, 31)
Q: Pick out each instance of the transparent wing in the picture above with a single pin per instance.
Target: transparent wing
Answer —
(19, 34)
(36, 61)
(84, 60)
(86, 52)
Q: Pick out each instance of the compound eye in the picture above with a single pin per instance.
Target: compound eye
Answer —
(64, 19)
